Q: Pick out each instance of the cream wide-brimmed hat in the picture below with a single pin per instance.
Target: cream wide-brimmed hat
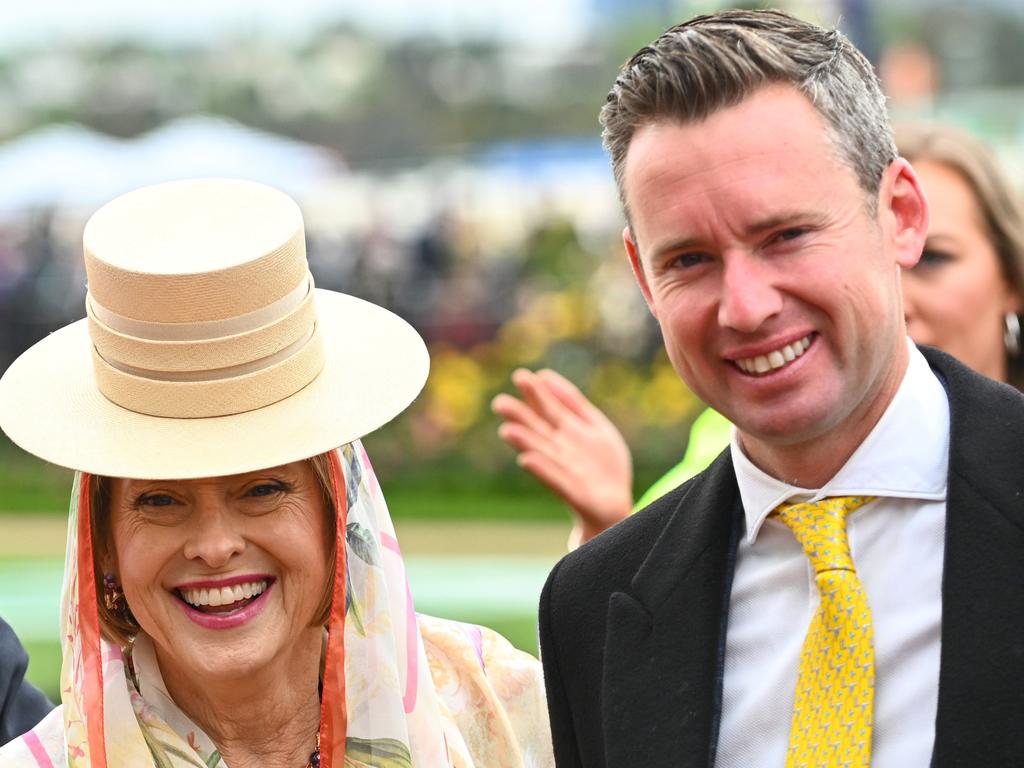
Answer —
(206, 350)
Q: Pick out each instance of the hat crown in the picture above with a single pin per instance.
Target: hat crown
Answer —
(194, 251)
(200, 299)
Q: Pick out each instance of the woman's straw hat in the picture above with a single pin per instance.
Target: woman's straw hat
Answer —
(206, 349)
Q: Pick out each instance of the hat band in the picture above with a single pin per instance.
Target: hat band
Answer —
(207, 329)
(130, 352)
(208, 368)
(212, 374)
(234, 391)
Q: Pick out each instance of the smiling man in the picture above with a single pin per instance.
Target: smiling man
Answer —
(844, 586)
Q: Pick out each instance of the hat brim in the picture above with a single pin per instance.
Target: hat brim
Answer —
(375, 366)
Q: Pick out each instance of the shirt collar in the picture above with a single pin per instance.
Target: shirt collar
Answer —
(905, 456)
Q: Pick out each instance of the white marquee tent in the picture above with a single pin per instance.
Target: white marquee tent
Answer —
(71, 166)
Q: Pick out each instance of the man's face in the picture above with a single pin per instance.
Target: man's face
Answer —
(777, 291)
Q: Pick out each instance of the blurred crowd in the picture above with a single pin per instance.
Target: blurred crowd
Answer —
(495, 270)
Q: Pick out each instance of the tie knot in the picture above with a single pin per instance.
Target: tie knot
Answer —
(821, 529)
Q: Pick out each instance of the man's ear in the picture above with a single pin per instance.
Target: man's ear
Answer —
(904, 212)
(633, 252)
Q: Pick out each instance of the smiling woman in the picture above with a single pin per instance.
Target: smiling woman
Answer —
(169, 540)
(234, 593)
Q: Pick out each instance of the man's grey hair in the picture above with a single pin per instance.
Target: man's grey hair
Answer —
(715, 61)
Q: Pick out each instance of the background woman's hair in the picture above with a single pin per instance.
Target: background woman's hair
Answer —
(1002, 210)
(120, 626)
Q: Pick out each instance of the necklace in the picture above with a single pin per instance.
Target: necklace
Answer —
(314, 756)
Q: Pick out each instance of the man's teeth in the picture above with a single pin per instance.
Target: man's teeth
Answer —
(223, 595)
(776, 358)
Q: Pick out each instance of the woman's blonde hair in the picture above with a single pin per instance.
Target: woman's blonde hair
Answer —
(119, 625)
(1001, 207)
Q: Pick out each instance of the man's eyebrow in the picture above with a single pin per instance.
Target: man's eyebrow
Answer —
(775, 221)
(787, 218)
(674, 246)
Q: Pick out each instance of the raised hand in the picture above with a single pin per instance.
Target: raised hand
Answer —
(568, 444)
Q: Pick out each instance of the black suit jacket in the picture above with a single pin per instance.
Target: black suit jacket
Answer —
(21, 705)
(632, 625)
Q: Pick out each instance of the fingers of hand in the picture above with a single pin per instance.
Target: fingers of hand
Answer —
(567, 394)
(538, 395)
(553, 474)
(595, 504)
(515, 411)
(522, 438)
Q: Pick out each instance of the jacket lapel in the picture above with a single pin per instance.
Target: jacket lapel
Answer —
(665, 640)
(981, 678)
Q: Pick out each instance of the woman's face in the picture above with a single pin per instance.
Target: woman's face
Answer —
(957, 296)
(224, 573)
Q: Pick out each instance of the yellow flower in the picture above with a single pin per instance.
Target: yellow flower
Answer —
(455, 390)
(665, 400)
(524, 339)
(566, 315)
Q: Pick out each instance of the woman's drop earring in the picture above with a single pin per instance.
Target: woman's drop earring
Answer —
(1011, 336)
(113, 595)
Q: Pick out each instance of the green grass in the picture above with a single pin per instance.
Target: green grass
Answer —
(44, 667)
(28, 484)
(407, 502)
(521, 631)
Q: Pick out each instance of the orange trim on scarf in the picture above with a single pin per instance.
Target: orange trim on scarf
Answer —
(89, 629)
(333, 709)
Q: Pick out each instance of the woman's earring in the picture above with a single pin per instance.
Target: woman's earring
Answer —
(1011, 336)
(113, 595)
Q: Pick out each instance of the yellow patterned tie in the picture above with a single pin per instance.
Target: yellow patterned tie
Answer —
(835, 689)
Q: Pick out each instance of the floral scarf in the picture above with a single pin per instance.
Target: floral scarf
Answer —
(399, 690)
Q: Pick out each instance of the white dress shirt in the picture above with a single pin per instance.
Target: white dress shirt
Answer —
(897, 544)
